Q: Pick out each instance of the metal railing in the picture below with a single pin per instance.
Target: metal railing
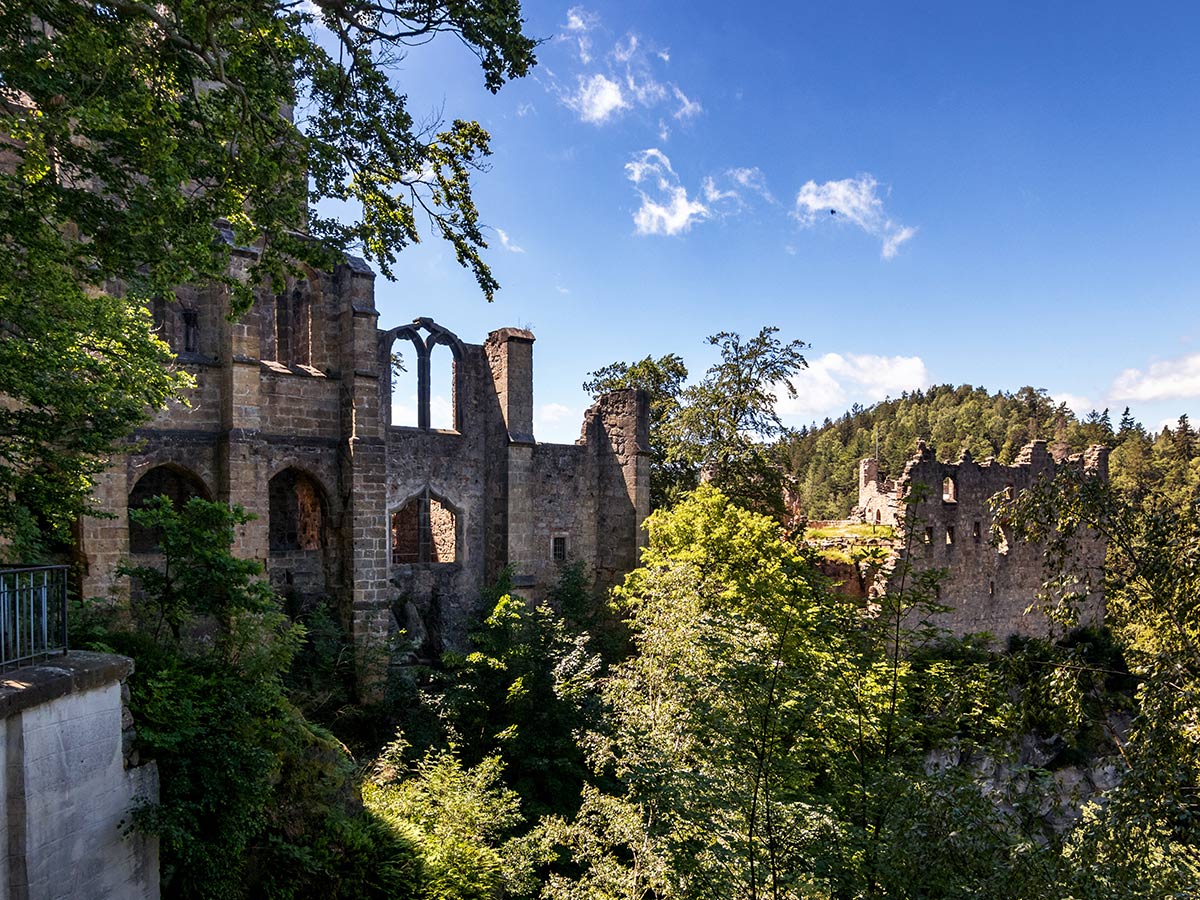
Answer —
(33, 614)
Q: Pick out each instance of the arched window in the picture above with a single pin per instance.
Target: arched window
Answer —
(297, 512)
(424, 530)
(288, 338)
(435, 399)
(171, 481)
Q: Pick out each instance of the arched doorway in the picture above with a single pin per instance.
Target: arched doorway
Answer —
(171, 481)
(300, 558)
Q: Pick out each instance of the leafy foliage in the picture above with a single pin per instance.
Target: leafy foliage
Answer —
(128, 130)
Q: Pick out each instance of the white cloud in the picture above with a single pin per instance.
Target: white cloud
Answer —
(669, 211)
(549, 413)
(713, 194)
(1170, 379)
(852, 200)
(579, 19)
(753, 179)
(664, 55)
(507, 243)
(663, 131)
(597, 99)
(833, 382)
(687, 108)
(1081, 406)
(579, 22)
(624, 52)
(645, 89)
(525, 109)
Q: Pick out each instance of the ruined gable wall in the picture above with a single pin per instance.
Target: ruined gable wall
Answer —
(436, 601)
(988, 584)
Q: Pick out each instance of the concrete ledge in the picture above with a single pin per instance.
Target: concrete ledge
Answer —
(79, 670)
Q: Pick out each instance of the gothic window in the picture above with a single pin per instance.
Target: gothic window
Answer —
(292, 344)
(420, 385)
(424, 530)
(175, 483)
(297, 512)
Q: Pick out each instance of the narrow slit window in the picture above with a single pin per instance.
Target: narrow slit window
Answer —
(949, 534)
(976, 532)
(929, 535)
(191, 330)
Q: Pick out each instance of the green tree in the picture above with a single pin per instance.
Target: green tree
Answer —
(129, 130)
(1144, 841)
(727, 422)
(663, 381)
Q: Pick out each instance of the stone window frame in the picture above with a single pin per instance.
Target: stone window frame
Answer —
(557, 541)
(423, 345)
(423, 499)
(949, 489)
(317, 542)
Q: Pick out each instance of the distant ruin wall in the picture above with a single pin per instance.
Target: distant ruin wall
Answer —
(990, 580)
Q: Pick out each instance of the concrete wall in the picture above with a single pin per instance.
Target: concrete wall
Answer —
(68, 784)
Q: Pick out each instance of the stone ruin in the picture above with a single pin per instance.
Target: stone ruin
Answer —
(990, 577)
(398, 528)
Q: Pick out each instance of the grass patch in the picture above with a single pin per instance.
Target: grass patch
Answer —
(850, 530)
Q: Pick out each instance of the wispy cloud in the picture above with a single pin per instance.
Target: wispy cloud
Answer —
(629, 74)
(597, 99)
(754, 180)
(852, 200)
(665, 205)
(524, 109)
(1171, 379)
(834, 381)
(687, 108)
(507, 242)
(579, 23)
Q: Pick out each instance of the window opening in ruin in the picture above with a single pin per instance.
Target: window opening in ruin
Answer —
(406, 530)
(293, 326)
(949, 534)
(878, 517)
(441, 532)
(191, 330)
(420, 367)
(929, 535)
(558, 548)
(178, 485)
(424, 530)
(297, 513)
(991, 588)
(976, 532)
(441, 389)
(403, 362)
(1008, 492)
(949, 490)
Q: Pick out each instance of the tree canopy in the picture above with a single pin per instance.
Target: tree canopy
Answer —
(129, 130)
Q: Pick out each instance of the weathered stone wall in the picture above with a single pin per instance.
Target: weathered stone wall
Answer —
(69, 783)
(291, 412)
(989, 581)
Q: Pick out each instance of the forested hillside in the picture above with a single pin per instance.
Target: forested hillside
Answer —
(823, 460)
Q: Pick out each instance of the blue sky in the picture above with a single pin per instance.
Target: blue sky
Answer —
(1016, 188)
